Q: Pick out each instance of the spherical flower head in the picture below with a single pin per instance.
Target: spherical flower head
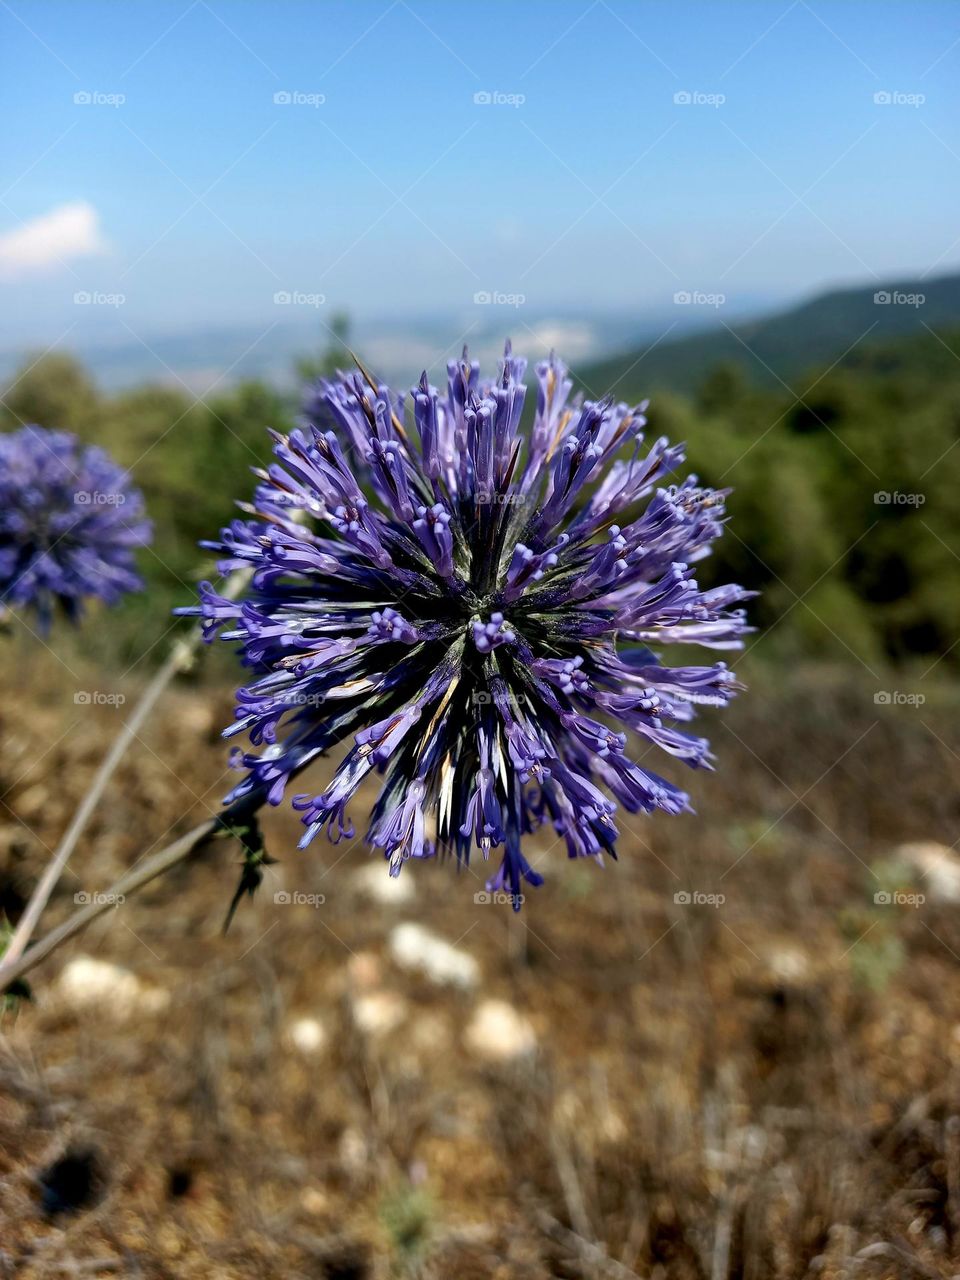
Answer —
(69, 523)
(472, 604)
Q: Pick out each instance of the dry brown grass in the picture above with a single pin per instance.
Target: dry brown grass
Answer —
(768, 1088)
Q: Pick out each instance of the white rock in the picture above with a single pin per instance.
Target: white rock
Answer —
(428, 1033)
(938, 867)
(375, 882)
(788, 964)
(414, 947)
(354, 1153)
(196, 718)
(314, 1200)
(364, 971)
(499, 1032)
(378, 1012)
(307, 1035)
(86, 982)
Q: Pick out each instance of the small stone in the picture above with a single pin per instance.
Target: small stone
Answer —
(938, 866)
(87, 983)
(788, 964)
(429, 1033)
(307, 1035)
(499, 1032)
(314, 1200)
(33, 801)
(376, 883)
(354, 1154)
(378, 1012)
(416, 948)
(365, 970)
(197, 719)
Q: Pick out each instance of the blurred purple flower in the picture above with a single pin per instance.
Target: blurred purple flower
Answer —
(411, 590)
(69, 523)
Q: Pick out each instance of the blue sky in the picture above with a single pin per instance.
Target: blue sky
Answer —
(583, 186)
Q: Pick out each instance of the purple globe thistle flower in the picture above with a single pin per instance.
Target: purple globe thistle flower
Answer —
(472, 602)
(69, 521)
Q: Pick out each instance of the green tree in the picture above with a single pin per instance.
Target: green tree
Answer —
(52, 390)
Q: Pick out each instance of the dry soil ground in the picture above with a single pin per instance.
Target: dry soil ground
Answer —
(760, 1086)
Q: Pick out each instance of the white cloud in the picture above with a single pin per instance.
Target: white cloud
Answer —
(69, 231)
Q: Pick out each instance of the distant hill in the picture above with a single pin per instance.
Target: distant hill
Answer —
(784, 345)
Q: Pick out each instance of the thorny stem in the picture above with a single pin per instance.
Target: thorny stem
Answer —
(138, 875)
(180, 658)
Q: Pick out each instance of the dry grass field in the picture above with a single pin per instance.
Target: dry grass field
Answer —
(720, 1057)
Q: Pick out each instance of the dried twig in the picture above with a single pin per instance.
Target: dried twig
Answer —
(181, 656)
(592, 1254)
(230, 820)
